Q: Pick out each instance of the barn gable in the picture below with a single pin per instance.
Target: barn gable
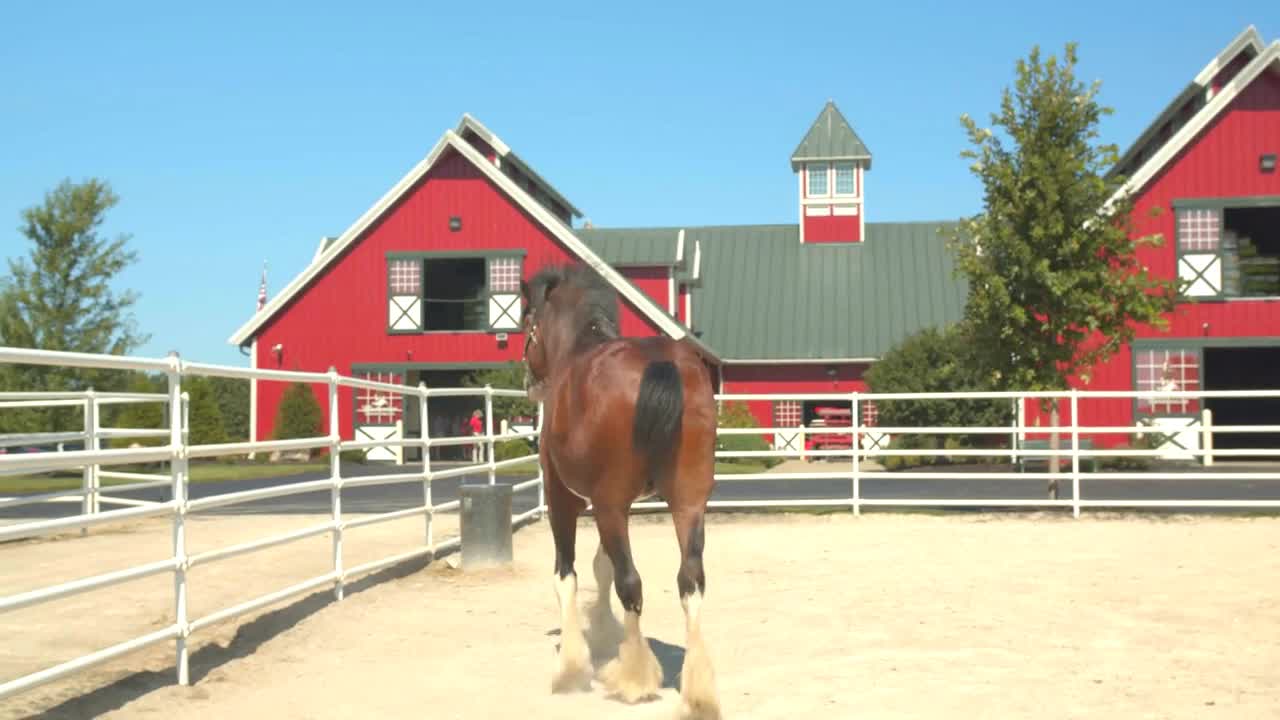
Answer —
(541, 211)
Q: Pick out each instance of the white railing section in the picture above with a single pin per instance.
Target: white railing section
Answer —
(1071, 450)
(178, 452)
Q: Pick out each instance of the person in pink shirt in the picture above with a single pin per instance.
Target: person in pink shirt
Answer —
(477, 428)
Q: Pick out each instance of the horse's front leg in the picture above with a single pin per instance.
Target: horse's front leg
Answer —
(573, 662)
(635, 674)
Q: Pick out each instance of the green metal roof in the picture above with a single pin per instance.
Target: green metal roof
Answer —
(831, 137)
(764, 296)
(633, 246)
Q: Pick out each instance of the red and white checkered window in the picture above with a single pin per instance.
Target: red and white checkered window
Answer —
(377, 407)
(1199, 230)
(504, 275)
(406, 277)
(870, 413)
(1177, 370)
(787, 413)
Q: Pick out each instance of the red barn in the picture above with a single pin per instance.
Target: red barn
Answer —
(424, 285)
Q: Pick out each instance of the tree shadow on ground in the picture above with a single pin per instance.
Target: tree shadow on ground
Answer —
(248, 638)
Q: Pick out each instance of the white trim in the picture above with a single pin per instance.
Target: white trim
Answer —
(697, 261)
(800, 190)
(671, 291)
(1249, 37)
(846, 200)
(845, 211)
(557, 229)
(688, 307)
(485, 134)
(823, 210)
(862, 206)
(680, 247)
(253, 395)
(1198, 122)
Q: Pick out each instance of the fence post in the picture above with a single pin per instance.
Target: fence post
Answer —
(1013, 436)
(1206, 429)
(488, 431)
(89, 502)
(1075, 452)
(426, 457)
(335, 477)
(178, 466)
(857, 457)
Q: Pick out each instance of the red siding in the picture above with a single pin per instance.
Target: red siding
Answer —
(833, 228)
(1223, 163)
(652, 281)
(340, 319)
(681, 293)
(742, 379)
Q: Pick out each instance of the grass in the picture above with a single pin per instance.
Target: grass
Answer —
(201, 472)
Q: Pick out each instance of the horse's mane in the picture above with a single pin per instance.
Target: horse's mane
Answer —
(595, 316)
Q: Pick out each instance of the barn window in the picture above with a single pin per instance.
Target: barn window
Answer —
(1199, 230)
(787, 413)
(817, 179)
(405, 277)
(377, 407)
(455, 294)
(504, 275)
(870, 413)
(844, 179)
(1167, 370)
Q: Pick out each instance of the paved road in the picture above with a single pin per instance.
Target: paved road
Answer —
(951, 483)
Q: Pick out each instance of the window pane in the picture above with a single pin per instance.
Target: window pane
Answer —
(817, 179)
(844, 179)
(870, 413)
(1169, 371)
(504, 275)
(405, 277)
(1199, 230)
(375, 407)
(786, 413)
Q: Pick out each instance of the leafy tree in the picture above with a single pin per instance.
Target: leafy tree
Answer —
(142, 415)
(1055, 283)
(204, 413)
(233, 403)
(299, 414)
(508, 377)
(60, 296)
(934, 361)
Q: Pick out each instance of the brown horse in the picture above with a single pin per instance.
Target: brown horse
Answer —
(624, 419)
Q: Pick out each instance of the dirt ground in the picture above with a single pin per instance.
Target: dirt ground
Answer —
(884, 616)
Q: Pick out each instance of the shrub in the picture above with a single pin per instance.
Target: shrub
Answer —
(511, 449)
(204, 413)
(141, 415)
(298, 415)
(352, 456)
(736, 415)
(935, 361)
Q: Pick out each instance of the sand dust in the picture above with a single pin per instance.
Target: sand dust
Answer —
(884, 616)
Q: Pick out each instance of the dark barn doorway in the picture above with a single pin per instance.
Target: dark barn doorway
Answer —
(1243, 368)
(447, 416)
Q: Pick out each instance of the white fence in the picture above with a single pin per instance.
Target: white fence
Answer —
(845, 465)
(178, 453)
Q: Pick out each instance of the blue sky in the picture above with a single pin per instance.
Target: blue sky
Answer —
(242, 132)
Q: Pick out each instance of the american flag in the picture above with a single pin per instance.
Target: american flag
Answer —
(262, 287)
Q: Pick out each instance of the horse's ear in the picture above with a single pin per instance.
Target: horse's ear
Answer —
(524, 290)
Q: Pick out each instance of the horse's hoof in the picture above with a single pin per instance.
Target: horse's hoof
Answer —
(573, 669)
(635, 675)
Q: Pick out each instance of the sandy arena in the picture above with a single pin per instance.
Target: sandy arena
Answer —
(885, 616)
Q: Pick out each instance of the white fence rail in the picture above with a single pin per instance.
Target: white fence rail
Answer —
(177, 452)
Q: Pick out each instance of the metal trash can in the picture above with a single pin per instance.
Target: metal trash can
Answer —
(486, 526)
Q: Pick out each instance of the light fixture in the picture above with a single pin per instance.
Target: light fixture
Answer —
(455, 223)
(1267, 163)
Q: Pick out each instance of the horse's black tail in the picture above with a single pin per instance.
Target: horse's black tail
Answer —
(659, 414)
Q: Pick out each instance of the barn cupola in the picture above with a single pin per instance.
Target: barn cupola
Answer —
(829, 165)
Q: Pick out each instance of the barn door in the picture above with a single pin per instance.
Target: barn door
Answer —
(788, 414)
(1200, 262)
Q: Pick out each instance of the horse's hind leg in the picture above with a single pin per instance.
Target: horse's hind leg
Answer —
(635, 674)
(573, 663)
(605, 632)
(697, 679)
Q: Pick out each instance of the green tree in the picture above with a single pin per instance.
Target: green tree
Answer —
(934, 361)
(508, 377)
(233, 403)
(298, 415)
(203, 412)
(60, 296)
(1055, 282)
(141, 415)
(737, 415)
